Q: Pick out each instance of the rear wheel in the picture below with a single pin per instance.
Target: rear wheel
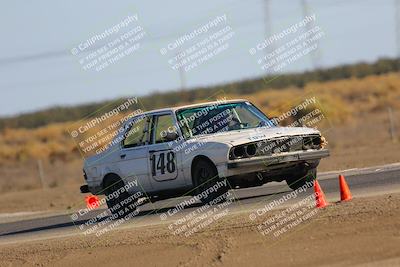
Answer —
(208, 185)
(297, 181)
(119, 201)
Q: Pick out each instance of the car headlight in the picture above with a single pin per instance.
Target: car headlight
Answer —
(312, 142)
(251, 150)
(238, 152)
(243, 151)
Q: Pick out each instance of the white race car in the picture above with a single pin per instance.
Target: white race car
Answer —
(208, 147)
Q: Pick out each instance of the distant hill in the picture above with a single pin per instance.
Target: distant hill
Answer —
(245, 87)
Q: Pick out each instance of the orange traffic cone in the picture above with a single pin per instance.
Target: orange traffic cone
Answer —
(92, 202)
(319, 196)
(345, 193)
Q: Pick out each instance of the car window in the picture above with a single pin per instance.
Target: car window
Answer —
(246, 115)
(186, 125)
(163, 125)
(217, 118)
(137, 134)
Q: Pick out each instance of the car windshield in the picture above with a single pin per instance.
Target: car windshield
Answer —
(219, 118)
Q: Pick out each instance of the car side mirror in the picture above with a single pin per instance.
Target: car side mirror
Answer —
(274, 121)
(171, 136)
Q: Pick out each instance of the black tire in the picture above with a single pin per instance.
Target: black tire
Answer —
(205, 176)
(116, 196)
(295, 182)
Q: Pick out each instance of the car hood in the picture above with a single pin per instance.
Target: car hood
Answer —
(239, 137)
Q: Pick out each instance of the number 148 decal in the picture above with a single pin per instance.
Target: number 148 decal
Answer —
(163, 164)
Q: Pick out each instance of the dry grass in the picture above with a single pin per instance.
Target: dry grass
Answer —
(341, 100)
(356, 106)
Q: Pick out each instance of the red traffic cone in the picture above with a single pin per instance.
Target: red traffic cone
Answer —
(345, 193)
(319, 196)
(92, 202)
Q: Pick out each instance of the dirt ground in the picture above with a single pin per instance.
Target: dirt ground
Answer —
(328, 238)
(362, 143)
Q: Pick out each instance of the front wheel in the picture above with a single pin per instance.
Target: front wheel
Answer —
(208, 185)
(119, 201)
(296, 181)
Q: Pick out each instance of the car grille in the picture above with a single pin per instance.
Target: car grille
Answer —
(288, 144)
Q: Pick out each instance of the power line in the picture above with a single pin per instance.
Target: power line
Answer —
(268, 30)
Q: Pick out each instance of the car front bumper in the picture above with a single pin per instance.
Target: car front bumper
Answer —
(264, 163)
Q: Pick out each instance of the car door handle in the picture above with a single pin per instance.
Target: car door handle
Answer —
(123, 156)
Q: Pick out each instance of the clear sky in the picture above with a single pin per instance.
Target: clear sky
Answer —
(37, 69)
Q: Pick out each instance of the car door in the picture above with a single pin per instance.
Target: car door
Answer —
(165, 163)
(133, 163)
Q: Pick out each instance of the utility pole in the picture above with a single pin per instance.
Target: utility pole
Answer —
(268, 26)
(182, 77)
(315, 55)
(41, 174)
(397, 25)
(392, 130)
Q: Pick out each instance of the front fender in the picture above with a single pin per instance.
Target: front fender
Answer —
(216, 152)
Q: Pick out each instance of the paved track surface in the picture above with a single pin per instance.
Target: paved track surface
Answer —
(362, 182)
